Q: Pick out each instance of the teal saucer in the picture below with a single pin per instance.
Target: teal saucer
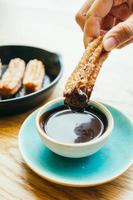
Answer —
(105, 165)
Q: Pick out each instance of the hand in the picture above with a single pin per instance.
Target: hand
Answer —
(114, 18)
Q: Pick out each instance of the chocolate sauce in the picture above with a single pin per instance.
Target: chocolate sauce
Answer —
(66, 126)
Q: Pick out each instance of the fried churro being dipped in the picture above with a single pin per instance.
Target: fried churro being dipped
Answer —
(80, 84)
(12, 78)
(34, 76)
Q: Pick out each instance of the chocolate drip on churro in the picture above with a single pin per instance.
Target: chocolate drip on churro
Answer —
(80, 84)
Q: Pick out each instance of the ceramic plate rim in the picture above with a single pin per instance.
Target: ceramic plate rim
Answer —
(35, 170)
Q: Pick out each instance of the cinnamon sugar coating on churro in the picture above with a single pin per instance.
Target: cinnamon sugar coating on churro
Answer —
(81, 82)
(12, 78)
(34, 76)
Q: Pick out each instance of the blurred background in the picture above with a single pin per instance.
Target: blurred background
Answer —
(50, 24)
(46, 23)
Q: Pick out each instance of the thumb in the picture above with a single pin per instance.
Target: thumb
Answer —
(119, 34)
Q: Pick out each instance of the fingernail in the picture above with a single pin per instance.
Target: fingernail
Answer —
(110, 43)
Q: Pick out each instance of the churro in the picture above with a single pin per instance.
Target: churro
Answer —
(34, 75)
(12, 78)
(80, 84)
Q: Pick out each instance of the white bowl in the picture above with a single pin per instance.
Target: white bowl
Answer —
(76, 150)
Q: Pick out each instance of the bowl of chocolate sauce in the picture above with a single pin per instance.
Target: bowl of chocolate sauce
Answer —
(74, 134)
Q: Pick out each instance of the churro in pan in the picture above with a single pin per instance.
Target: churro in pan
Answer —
(80, 84)
(12, 78)
(34, 76)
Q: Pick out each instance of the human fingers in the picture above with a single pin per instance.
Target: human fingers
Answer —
(121, 12)
(98, 10)
(125, 44)
(119, 34)
(118, 2)
(81, 14)
(108, 22)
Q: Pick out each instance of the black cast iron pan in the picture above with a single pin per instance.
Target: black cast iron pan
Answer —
(53, 67)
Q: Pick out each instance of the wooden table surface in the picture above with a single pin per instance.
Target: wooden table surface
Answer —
(114, 86)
